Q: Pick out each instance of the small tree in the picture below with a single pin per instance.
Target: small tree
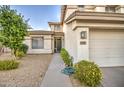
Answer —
(13, 27)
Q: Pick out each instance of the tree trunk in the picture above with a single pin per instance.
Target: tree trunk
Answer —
(13, 52)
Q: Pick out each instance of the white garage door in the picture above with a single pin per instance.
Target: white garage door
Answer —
(107, 47)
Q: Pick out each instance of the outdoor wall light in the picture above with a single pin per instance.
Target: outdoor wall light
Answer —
(83, 35)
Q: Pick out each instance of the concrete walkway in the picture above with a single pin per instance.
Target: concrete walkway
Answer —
(53, 76)
(113, 76)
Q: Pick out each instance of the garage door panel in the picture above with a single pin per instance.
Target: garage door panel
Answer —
(107, 47)
(108, 59)
(108, 56)
(110, 51)
(109, 62)
(107, 43)
(106, 34)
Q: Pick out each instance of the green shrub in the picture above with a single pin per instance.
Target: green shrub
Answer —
(88, 73)
(0, 45)
(66, 57)
(24, 48)
(8, 64)
(19, 53)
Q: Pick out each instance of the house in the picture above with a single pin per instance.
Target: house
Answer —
(90, 32)
(94, 33)
(44, 42)
(40, 41)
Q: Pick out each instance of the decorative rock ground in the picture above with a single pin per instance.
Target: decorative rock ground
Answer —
(28, 74)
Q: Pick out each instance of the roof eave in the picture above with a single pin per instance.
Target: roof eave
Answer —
(82, 16)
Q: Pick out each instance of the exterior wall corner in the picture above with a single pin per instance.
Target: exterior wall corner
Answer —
(82, 44)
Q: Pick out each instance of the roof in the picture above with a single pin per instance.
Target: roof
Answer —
(40, 32)
(58, 33)
(86, 15)
(50, 23)
(63, 11)
(54, 23)
(43, 32)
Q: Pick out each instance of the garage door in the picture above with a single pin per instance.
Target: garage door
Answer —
(107, 47)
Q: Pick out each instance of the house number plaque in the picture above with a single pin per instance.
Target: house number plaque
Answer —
(82, 42)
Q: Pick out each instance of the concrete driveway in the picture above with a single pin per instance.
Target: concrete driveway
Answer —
(113, 76)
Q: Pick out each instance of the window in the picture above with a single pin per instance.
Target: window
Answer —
(57, 28)
(81, 6)
(110, 9)
(37, 43)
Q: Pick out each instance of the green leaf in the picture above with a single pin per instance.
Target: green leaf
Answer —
(13, 27)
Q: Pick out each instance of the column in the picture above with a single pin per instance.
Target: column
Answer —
(82, 43)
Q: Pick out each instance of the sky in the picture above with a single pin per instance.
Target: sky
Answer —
(39, 15)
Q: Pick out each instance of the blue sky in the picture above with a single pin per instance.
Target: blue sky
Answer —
(39, 15)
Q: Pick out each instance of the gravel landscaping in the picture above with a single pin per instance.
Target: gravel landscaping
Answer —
(75, 82)
(29, 74)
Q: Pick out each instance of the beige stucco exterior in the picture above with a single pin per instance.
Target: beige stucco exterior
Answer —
(70, 38)
(103, 31)
(47, 44)
(96, 18)
(82, 49)
(98, 25)
(100, 8)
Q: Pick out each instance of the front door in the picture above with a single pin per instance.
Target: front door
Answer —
(57, 44)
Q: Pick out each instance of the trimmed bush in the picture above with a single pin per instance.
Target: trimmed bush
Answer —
(88, 73)
(8, 64)
(66, 57)
(23, 48)
(0, 45)
(19, 54)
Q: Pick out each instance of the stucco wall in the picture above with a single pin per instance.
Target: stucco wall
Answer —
(72, 32)
(7, 50)
(70, 40)
(70, 10)
(82, 49)
(101, 24)
(100, 8)
(47, 44)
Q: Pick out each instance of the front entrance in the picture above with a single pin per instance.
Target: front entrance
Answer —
(57, 44)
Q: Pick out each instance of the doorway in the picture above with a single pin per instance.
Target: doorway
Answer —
(57, 44)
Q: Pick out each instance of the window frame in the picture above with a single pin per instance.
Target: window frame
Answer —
(57, 28)
(37, 45)
(83, 35)
(81, 6)
(110, 9)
